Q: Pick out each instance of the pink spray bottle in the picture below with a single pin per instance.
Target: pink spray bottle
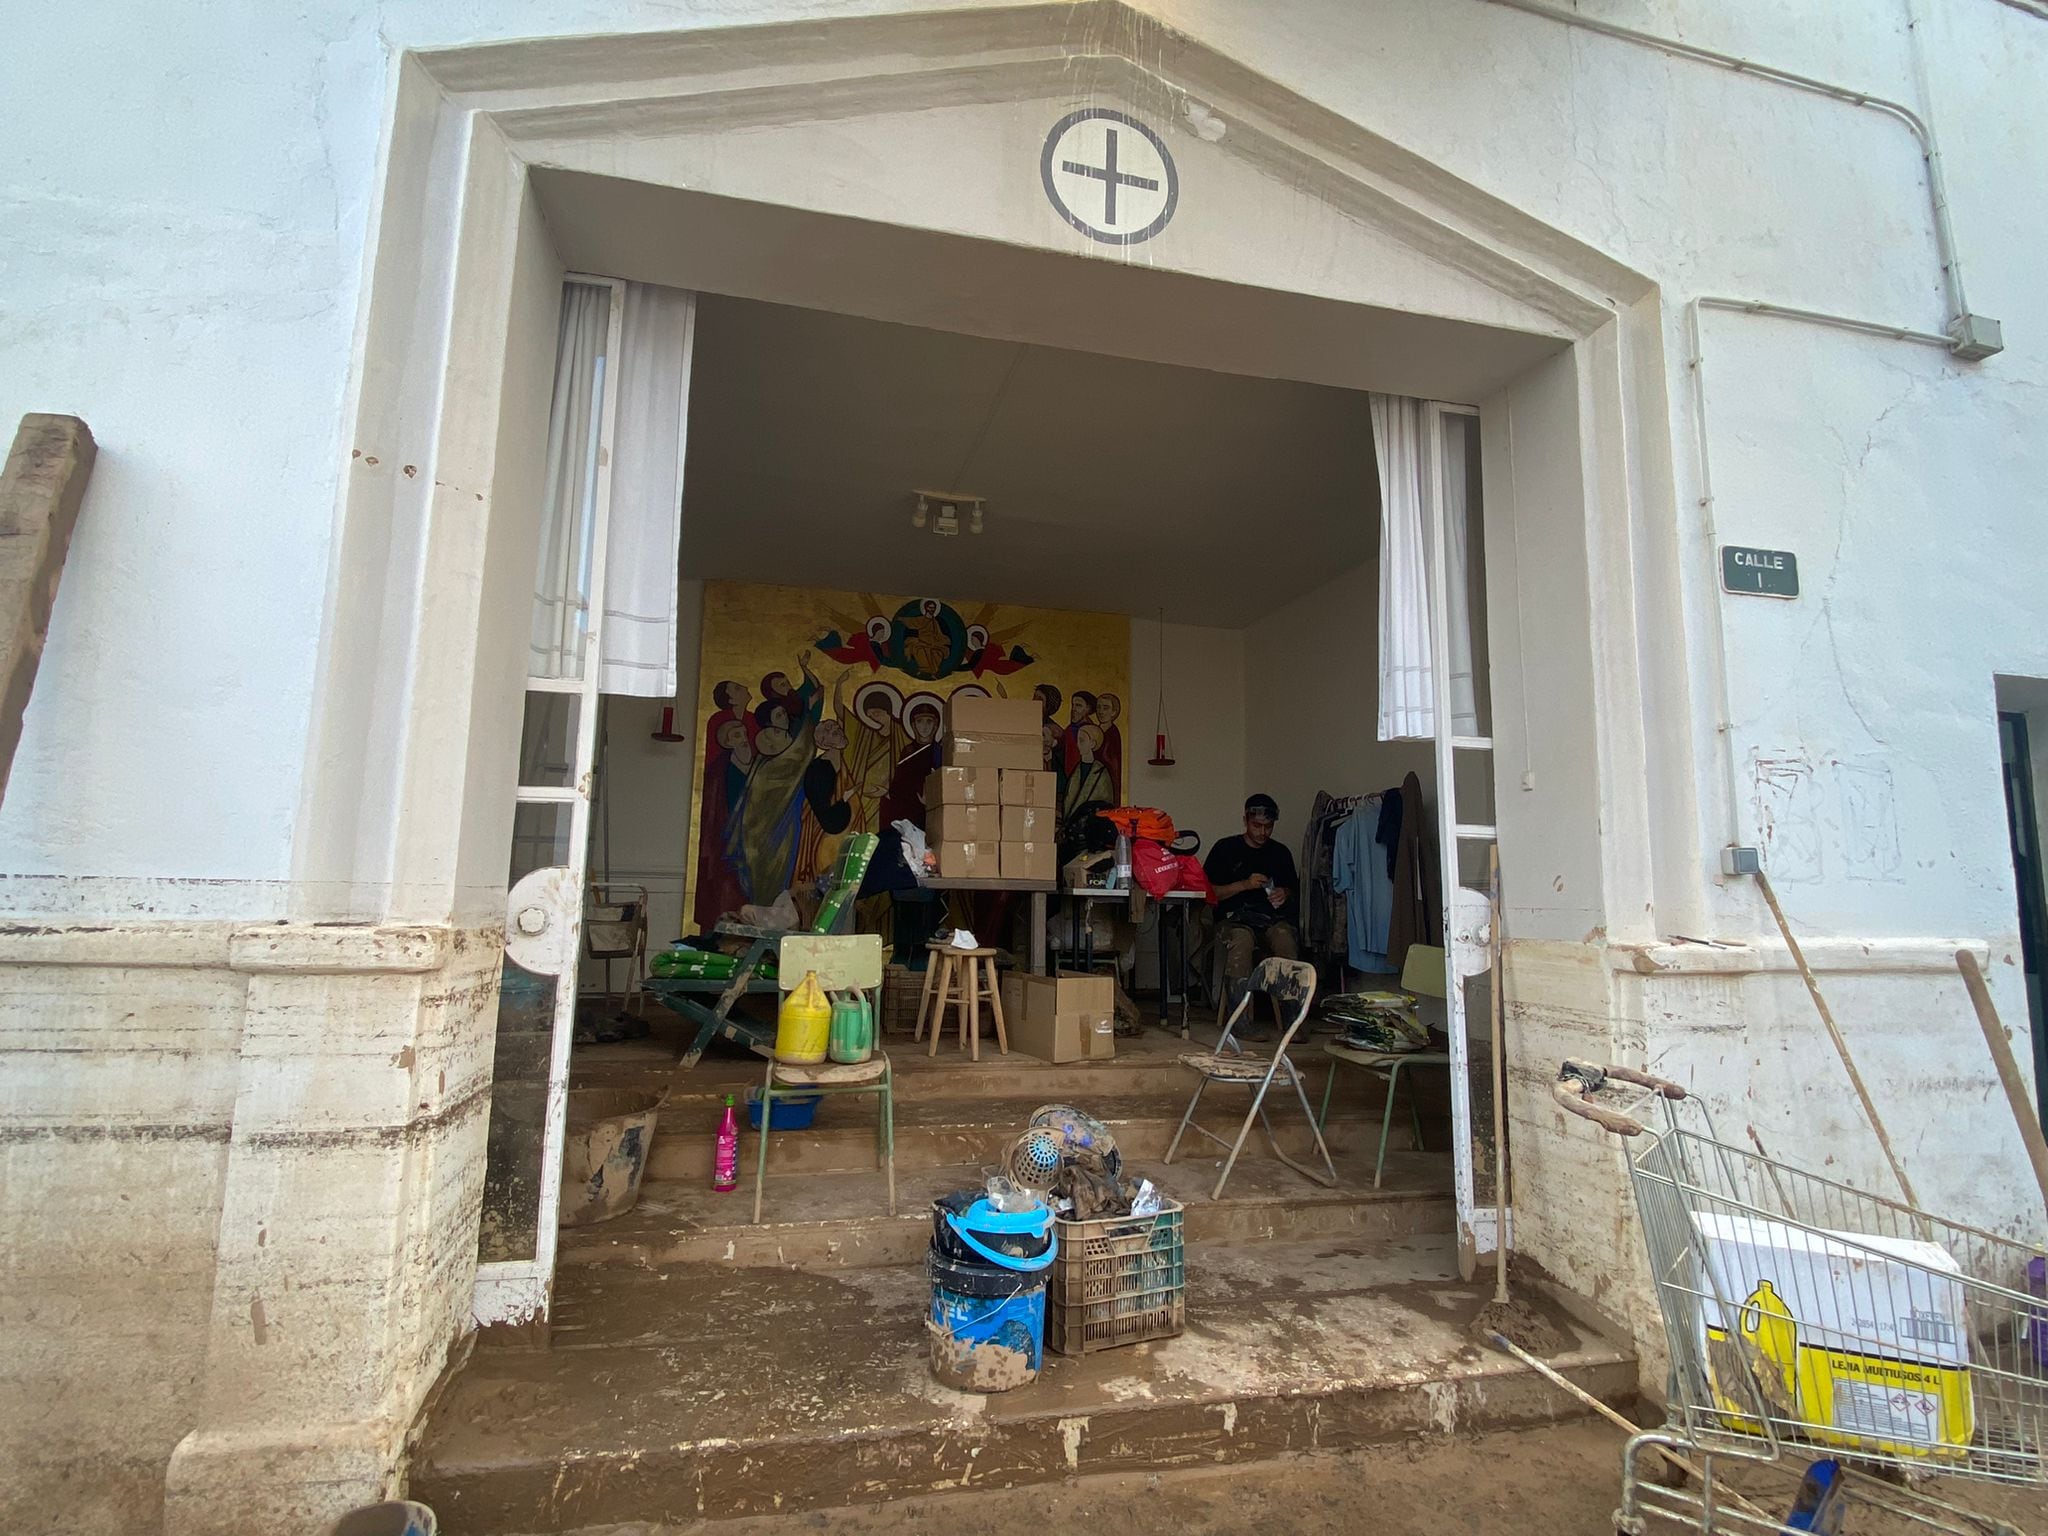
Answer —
(725, 1162)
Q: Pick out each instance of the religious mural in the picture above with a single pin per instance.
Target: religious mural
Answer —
(822, 714)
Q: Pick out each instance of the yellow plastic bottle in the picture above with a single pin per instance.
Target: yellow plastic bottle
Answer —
(803, 1029)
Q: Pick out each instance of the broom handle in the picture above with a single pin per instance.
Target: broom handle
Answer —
(2008, 1069)
(1835, 1034)
(1496, 948)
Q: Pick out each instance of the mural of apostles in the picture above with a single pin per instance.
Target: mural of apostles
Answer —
(792, 763)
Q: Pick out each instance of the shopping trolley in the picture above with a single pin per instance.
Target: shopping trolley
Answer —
(1849, 1347)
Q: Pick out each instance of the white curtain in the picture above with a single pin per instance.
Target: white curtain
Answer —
(561, 588)
(1458, 431)
(644, 529)
(1407, 694)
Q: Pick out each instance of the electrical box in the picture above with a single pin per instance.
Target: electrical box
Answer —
(1741, 861)
(1976, 337)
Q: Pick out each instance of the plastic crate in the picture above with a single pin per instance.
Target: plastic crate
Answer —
(1118, 1280)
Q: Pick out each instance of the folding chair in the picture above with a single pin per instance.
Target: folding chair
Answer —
(1290, 983)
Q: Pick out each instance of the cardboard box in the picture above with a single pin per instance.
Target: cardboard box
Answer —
(1030, 861)
(960, 786)
(1028, 824)
(983, 749)
(1864, 1334)
(970, 861)
(1060, 1018)
(1030, 786)
(968, 823)
(977, 714)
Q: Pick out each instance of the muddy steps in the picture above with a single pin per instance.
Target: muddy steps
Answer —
(841, 1220)
(700, 1390)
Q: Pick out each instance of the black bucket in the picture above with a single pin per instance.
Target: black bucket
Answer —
(1028, 1249)
(975, 1278)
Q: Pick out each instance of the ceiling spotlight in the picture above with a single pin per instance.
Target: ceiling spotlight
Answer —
(974, 518)
(921, 515)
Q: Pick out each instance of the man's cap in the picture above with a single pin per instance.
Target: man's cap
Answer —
(1262, 805)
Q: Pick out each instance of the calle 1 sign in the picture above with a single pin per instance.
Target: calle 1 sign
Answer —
(1759, 572)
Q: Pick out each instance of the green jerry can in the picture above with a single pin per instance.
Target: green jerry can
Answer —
(853, 1028)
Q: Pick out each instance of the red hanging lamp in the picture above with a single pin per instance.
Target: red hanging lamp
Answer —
(1162, 755)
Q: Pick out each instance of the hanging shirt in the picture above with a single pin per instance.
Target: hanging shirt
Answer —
(1358, 869)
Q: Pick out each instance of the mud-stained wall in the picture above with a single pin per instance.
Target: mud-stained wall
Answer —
(119, 1089)
(243, 1169)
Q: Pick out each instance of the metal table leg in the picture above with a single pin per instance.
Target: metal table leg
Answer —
(1036, 945)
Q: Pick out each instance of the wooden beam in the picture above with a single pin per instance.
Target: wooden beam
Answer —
(41, 489)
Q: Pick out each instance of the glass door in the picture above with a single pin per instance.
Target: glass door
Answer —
(1466, 836)
(550, 823)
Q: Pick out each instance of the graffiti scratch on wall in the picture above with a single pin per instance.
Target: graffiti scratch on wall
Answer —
(1825, 817)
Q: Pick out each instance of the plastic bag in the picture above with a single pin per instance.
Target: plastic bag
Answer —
(782, 915)
(1146, 1201)
(913, 846)
(1155, 870)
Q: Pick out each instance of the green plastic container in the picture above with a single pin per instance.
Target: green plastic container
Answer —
(853, 1029)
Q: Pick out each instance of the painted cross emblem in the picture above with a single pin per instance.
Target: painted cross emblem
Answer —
(1109, 176)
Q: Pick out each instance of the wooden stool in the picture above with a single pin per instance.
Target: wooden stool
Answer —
(963, 978)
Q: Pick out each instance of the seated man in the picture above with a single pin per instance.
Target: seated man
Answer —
(1257, 900)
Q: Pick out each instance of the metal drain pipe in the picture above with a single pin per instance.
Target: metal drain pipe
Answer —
(1970, 337)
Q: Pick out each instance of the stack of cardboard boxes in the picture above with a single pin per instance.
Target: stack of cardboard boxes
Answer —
(990, 808)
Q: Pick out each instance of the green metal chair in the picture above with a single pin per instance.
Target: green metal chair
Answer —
(709, 1003)
(843, 964)
(1390, 1063)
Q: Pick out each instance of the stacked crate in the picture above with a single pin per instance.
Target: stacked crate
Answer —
(990, 809)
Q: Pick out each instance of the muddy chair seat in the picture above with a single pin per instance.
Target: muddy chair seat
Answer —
(1229, 1067)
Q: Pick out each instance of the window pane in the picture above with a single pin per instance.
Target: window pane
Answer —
(519, 1097)
(540, 838)
(547, 741)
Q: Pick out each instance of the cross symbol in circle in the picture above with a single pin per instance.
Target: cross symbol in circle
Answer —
(1110, 177)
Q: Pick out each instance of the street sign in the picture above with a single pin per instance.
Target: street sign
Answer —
(1759, 572)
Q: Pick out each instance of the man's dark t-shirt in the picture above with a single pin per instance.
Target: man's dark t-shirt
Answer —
(1234, 859)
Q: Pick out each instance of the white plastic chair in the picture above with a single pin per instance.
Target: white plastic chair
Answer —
(1288, 983)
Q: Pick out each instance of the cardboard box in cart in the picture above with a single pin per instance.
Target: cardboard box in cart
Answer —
(1864, 1340)
(1060, 1018)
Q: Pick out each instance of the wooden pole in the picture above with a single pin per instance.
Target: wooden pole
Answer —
(2008, 1069)
(1835, 1034)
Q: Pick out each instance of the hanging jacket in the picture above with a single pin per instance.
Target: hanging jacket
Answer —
(1418, 890)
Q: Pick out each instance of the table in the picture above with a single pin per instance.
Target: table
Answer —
(1179, 904)
(1082, 899)
(1038, 891)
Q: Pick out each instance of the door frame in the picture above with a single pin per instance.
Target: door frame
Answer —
(520, 1291)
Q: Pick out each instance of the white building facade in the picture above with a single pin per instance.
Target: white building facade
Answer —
(1754, 276)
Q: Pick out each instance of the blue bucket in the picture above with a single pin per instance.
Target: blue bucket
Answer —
(988, 1343)
(789, 1114)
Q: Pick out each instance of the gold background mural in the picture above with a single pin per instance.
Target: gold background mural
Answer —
(821, 713)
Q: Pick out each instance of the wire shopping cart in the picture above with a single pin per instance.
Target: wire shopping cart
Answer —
(1844, 1342)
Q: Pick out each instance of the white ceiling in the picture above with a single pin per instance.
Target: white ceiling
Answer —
(1113, 484)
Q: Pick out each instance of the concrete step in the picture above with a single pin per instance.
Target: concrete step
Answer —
(933, 1133)
(700, 1391)
(820, 1221)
